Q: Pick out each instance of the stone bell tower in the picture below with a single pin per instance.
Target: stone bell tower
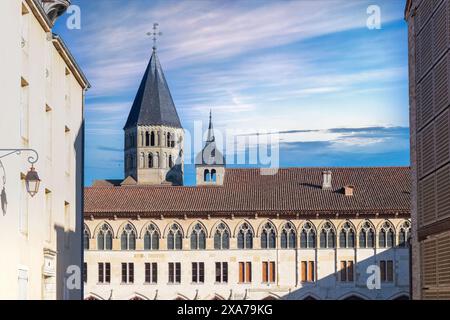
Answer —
(154, 136)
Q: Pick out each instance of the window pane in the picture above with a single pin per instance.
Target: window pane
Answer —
(100, 241)
(108, 241)
(331, 239)
(350, 270)
(100, 273)
(382, 239)
(240, 240)
(225, 272)
(303, 239)
(170, 241)
(179, 241)
(371, 239)
(249, 240)
(194, 241)
(390, 239)
(272, 240)
(202, 272)
(171, 272)
(343, 271)
(343, 239)
(124, 241)
(132, 244)
(323, 239)
(362, 239)
(178, 272)
(283, 239)
(147, 272)
(218, 272)
(264, 240)
(292, 240)
(124, 272)
(194, 272)
(225, 240)
(202, 240)
(108, 272)
(147, 245)
(154, 272)
(217, 241)
(155, 241)
(311, 239)
(351, 239)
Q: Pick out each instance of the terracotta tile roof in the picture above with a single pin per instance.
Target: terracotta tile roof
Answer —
(376, 190)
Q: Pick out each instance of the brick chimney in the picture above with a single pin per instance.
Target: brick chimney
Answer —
(326, 181)
(348, 190)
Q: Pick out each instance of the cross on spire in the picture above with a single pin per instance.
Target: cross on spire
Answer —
(155, 34)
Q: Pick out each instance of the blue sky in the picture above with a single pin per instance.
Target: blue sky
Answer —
(335, 90)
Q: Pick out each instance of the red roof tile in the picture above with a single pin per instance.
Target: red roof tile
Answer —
(381, 190)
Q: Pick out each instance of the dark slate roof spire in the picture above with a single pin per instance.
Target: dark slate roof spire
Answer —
(210, 155)
(153, 104)
(210, 129)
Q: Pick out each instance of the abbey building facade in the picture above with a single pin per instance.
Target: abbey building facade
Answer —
(302, 233)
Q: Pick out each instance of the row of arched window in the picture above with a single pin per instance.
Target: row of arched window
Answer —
(153, 160)
(152, 138)
(327, 236)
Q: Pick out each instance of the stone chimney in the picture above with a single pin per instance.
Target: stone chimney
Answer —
(326, 181)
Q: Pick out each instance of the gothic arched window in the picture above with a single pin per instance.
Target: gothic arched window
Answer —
(245, 237)
(386, 236)
(198, 238)
(366, 236)
(347, 236)
(268, 237)
(307, 236)
(175, 238)
(151, 238)
(86, 236)
(288, 236)
(404, 234)
(128, 238)
(327, 236)
(104, 238)
(221, 237)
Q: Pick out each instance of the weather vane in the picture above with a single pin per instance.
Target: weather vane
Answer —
(155, 34)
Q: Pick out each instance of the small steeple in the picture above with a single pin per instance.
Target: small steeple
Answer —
(210, 162)
(210, 155)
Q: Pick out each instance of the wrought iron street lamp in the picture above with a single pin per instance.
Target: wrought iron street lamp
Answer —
(32, 179)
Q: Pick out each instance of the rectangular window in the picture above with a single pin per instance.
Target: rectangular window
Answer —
(104, 272)
(307, 271)
(127, 272)
(221, 272)
(174, 272)
(85, 272)
(198, 272)
(245, 272)
(346, 272)
(151, 272)
(386, 270)
(268, 271)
